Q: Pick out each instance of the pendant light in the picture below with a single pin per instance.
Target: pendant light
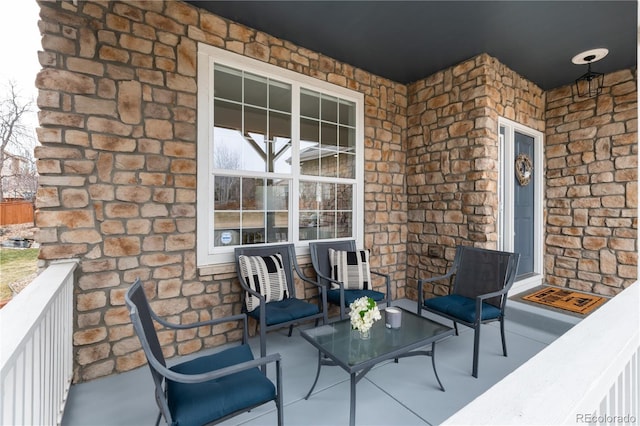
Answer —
(589, 85)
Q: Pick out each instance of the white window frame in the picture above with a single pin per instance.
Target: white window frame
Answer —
(206, 254)
(506, 227)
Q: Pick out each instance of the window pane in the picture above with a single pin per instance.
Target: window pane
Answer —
(281, 155)
(329, 148)
(307, 198)
(277, 227)
(344, 197)
(279, 96)
(347, 113)
(253, 153)
(308, 229)
(227, 115)
(329, 108)
(327, 196)
(347, 166)
(343, 225)
(309, 130)
(327, 226)
(277, 194)
(329, 136)
(255, 90)
(226, 228)
(227, 237)
(227, 83)
(252, 194)
(347, 139)
(226, 193)
(309, 104)
(227, 149)
(255, 121)
(253, 227)
(279, 125)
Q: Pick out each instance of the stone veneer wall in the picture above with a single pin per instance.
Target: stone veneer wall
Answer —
(117, 96)
(592, 186)
(452, 159)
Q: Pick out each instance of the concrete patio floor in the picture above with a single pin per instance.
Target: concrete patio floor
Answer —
(406, 393)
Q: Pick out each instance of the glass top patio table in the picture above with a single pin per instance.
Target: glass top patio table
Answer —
(344, 347)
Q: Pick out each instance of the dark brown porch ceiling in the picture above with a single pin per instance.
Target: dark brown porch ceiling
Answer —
(408, 40)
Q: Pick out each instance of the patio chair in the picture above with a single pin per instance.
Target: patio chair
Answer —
(266, 276)
(331, 266)
(207, 389)
(478, 295)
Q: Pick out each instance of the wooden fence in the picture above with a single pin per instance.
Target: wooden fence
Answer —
(16, 212)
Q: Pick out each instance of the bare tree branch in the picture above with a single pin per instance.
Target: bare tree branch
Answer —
(17, 164)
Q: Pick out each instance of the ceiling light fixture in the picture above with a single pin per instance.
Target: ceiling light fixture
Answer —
(590, 83)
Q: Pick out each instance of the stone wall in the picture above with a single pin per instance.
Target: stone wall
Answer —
(592, 186)
(118, 167)
(452, 159)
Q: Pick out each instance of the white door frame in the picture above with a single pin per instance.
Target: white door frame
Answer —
(506, 187)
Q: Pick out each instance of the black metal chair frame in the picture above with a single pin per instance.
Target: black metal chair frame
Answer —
(289, 259)
(160, 373)
(497, 298)
(317, 261)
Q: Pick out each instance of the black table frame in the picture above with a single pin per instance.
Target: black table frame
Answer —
(358, 370)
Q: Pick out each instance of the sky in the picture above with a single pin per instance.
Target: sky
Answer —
(19, 46)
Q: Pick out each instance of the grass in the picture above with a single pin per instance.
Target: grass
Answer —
(14, 266)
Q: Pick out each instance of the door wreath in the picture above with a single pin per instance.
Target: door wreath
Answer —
(524, 169)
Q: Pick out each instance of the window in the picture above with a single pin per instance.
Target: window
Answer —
(280, 157)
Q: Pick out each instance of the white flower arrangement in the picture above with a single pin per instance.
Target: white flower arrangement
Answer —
(364, 312)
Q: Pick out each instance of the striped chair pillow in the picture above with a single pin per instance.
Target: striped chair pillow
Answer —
(351, 268)
(266, 276)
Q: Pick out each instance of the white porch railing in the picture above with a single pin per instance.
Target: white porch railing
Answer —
(36, 358)
(590, 375)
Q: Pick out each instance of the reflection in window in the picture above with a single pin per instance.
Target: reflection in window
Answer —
(252, 121)
(323, 209)
(251, 210)
(256, 160)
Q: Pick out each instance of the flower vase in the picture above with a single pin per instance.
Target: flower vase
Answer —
(365, 335)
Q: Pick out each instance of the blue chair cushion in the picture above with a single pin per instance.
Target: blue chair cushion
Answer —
(202, 403)
(463, 308)
(285, 310)
(333, 296)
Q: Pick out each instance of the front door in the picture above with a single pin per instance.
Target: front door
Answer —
(520, 214)
(524, 203)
